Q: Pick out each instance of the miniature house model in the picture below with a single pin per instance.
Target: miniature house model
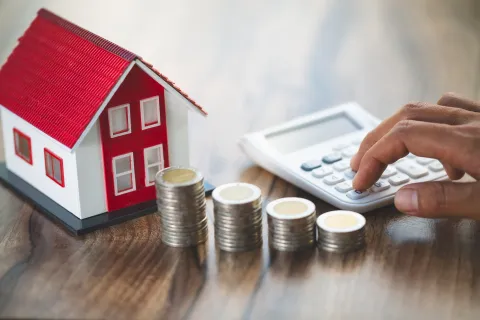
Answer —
(87, 123)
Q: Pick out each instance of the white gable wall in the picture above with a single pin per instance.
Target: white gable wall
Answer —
(90, 174)
(177, 130)
(68, 196)
(84, 191)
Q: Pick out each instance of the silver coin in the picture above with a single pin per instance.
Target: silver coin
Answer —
(237, 209)
(341, 249)
(181, 206)
(291, 224)
(340, 231)
(240, 248)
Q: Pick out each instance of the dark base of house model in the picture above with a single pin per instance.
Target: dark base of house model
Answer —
(67, 219)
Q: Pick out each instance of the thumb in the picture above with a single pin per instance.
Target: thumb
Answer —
(440, 199)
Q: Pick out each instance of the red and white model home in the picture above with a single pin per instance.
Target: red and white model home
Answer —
(87, 123)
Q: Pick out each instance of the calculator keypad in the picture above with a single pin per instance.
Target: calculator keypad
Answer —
(333, 179)
(399, 179)
(310, 165)
(389, 171)
(412, 169)
(380, 186)
(424, 161)
(344, 186)
(341, 165)
(356, 194)
(436, 166)
(349, 152)
(333, 170)
(340, 146)
(322, 172)
(332, 158)
(350, 174)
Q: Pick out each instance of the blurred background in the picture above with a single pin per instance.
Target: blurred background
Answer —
(252, 64)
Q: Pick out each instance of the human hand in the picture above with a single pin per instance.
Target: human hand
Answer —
(448, 131)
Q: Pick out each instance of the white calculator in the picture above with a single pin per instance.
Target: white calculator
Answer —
(313, 152)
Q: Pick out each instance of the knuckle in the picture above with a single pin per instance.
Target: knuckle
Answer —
(468, 137)
(411, 109)
(402, 127)
(471, 130)
(457, 116)
(369, 140)
(370, 136)
(447, 98)
(433, 198)
(442, 197)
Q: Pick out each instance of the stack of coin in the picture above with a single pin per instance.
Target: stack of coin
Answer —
(181, 206)
(237, 209)
(291, 224)
(341, 231)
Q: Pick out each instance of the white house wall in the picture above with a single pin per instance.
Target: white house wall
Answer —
(68, 196)
(90, 174)
(177, 130)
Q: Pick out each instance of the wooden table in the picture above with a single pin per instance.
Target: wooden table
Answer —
(252, 65)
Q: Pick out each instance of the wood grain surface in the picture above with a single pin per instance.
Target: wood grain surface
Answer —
(253, 64)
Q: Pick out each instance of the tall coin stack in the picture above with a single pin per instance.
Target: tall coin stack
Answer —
(181, 206)
(238, 217)
(291, 224)
(341, 231)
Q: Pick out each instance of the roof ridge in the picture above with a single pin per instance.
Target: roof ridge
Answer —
(87, 35)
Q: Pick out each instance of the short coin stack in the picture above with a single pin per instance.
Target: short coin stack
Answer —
(291, 224)
(341, 231)
(238, 217)
(181, 206)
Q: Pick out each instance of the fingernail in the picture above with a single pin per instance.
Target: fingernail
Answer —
(406, 200)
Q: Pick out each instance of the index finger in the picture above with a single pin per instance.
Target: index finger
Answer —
(412, 111)
(424, 139)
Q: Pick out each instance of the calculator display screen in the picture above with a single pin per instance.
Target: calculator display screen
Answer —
(297, 138)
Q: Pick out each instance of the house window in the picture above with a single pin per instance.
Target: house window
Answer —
(150, 112)
(119, 120)
(124, 175)
(23, 146)
(153, 163)
(54, 167)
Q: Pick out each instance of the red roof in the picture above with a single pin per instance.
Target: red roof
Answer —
(60, 74)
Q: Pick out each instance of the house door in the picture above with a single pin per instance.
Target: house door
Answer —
(134, 141)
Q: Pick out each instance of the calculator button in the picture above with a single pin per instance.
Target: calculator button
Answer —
(340, 146)
(412, 169)
(356, 194)
(322, 172)
(411, 156)
(424, 161)
(342, 165)
(310, 165)
(344, 186)
(333, 179)
(436, 166)
(332, 158)
(398, 179)
(390, 171)
(349, 152)
(358, 141)
(350, 174)
(380, 186)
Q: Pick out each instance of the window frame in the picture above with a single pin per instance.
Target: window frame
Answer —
(131, 172)
(128, 119)
(158, 123)
(161, 162)
(62, 171)
(20, 134)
